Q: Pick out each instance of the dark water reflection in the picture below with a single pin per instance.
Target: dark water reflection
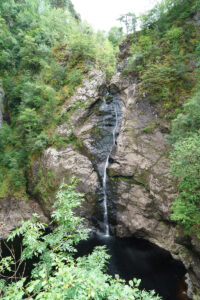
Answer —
(132, 257)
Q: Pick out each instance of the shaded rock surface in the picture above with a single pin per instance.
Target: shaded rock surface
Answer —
(90, 124)
(13, 210)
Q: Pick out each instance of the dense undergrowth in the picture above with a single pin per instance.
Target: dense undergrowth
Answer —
(164, 54)
(45, 52)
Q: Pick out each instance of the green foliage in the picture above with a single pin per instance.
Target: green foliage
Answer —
(65, 4)
(105, 56)
(115, 35)
(45, 51)
(187, 122)
(130, 22)
(149, 128)
(57, 275)
(166, 12)
(162, 52)
(185, 165)
(164, 56)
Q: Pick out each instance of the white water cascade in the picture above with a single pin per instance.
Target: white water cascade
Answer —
(115, 115)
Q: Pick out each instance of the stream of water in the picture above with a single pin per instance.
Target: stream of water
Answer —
(116, 118)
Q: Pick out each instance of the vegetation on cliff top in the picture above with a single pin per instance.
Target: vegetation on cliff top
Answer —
(164, 54)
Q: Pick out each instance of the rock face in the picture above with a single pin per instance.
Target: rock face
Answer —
(143, 188)
(140, 190)
(13, 210)
(56, 166)
(140, 170)
(73, 158)
(89, 128)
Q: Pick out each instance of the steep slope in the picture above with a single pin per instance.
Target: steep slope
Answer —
(46, 52)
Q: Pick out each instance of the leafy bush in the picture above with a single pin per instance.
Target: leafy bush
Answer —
(185, 160)
(57, 275)
(185, 165)
(187, 122)
(74, 78)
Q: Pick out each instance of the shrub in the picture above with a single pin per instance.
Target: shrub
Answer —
(57, 275)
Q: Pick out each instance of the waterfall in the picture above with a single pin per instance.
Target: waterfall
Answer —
(114, 114)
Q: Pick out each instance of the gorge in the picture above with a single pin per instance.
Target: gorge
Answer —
(102, 123)
(136, 166)
(112, 118)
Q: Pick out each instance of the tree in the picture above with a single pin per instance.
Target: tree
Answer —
(60, 3)
(65, 4)
(115, 35)
(57, 274)
(130, 22)
(28, 122)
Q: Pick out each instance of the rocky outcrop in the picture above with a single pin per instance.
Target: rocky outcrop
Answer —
(143, 187)
(74, 157)
(57, 166)
(141, 169)
(13, 210)
(140, 190)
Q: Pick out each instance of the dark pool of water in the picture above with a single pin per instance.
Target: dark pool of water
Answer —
(132, 257)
